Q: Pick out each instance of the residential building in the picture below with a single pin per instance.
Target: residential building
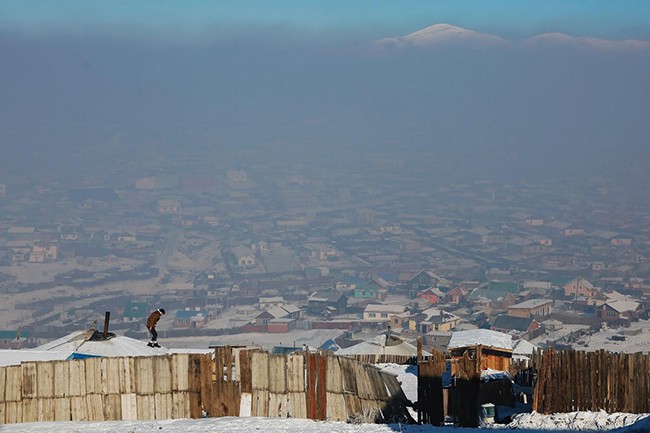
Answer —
(579, 287)
(531, 308)
(382, 312)
(327, 302)
(244, 256)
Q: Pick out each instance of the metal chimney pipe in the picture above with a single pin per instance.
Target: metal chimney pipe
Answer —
(106, 319)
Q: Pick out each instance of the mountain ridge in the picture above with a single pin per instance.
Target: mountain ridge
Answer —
(442, 34)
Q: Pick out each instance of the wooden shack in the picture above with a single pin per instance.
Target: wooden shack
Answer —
(495, 349)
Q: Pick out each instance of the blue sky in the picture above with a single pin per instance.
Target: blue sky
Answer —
(197, 18)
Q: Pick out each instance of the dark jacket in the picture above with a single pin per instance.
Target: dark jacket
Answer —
(153, 319)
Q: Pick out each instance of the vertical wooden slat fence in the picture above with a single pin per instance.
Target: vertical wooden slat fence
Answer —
(300, 385)
(101, 389)
(430, 394)
(575, 380)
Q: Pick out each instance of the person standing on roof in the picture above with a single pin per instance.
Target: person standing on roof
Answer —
(152, 321)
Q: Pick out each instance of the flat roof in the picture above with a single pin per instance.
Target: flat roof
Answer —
(532, 303)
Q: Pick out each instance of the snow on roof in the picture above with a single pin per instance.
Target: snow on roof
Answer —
(616, 296)
(381, 345)
(623, 306)
(532, 303)
(81, 342)
(484, 337)
(523, 347)
(15, 357)
(385, 308)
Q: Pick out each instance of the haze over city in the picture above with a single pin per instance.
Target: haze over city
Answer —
(326, 176)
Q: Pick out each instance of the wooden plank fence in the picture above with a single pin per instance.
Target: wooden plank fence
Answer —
(430, 393)
(102, 389)
(383, 359)
(574, 380)
(323, 387)
(299, 385)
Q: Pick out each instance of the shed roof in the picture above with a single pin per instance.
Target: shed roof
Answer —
(483, 337)
(532, 303)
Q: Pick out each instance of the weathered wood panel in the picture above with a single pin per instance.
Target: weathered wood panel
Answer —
(336, 407)
(112, 405)
(334, 375)
(29, 381)
(194, 376)
(163, 406)
(277, 374)
(46, 409)
(79, 408)
(260, 403)
(146, 406)
(77, 378)
(260, 369)
(349, 376)
(30, 410)
(62, 409)
(180, 405)
(162, 369)
(195, 405)
(129, 406)
(3, 385)
(430, 391)
(297, 404)
(352, 406)
(379, 391)
(144, 383)
(316, 387)
(364, 387)
(126, 368)
(246, 370)
(45, 377)
(95, 407)
(227, 399)
(180, 372)
(278, 405)
(61, 379)
(93, 371)
(296, 372)
(466, 401)
(13, 412)
(111, 372)
(208, 398)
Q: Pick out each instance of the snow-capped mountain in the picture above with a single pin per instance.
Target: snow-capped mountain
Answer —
(439, 34)
(446, 34)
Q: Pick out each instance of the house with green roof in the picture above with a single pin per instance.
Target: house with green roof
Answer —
(368, 290)
(135, 311)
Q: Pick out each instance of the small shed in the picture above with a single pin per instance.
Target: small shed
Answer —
(495, 348)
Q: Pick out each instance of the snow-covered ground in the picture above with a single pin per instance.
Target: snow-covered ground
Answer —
(581, 421)
(533, 424)
(634, 342)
